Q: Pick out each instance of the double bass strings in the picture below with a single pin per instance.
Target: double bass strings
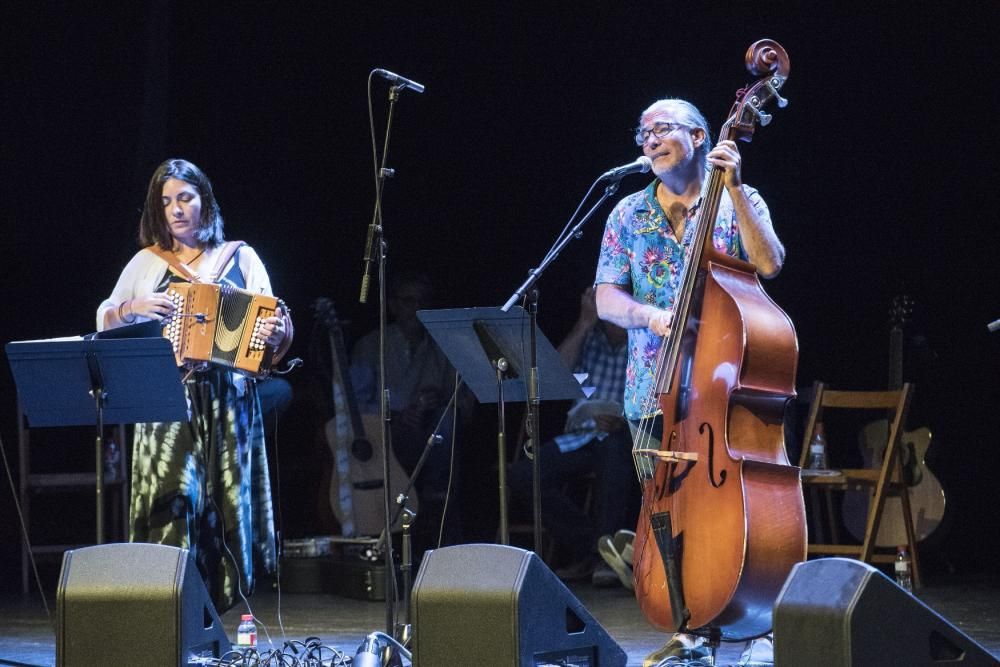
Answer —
(693, 242)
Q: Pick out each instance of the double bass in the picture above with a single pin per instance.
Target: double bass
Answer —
(722, 520)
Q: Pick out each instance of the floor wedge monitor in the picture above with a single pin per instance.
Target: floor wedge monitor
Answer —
(838, 612)
(134, 604)
(500, 606)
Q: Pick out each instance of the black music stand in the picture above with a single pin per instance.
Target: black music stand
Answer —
(490, 349)
(82, 381)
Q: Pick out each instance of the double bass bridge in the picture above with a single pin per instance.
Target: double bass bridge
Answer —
(672, 456)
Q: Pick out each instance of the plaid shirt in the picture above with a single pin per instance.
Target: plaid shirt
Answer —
(605, 367)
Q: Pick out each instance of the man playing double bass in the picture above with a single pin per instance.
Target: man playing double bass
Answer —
(645, 248)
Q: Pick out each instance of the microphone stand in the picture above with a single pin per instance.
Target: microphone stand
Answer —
(533, 398)
(374, 238)
(404, 629)
(375, 249)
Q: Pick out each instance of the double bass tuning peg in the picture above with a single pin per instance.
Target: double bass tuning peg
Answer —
(755, 102)
(779, 100)
(762, 117)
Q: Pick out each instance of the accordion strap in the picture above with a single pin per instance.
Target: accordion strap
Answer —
(227, 252)
(229, 249)
(178, 266)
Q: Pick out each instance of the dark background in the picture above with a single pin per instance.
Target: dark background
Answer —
(881, 175)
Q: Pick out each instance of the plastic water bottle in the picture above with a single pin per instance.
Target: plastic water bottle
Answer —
(902, 566)
(112, 459)
(246, 634)
(817, 450)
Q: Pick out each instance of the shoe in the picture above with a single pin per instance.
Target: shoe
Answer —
(623, 543)
(581, 569)
(609, 552)
(604, 577)
(758, 652)
(680, 647)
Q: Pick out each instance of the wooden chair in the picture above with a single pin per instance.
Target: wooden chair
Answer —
(882, 480)
(63, 489)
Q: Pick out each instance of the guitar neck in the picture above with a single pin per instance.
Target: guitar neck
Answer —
(342, 370)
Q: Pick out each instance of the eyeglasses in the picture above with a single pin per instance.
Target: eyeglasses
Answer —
(659, 130)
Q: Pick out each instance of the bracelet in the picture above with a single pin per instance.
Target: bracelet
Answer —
(122, 317)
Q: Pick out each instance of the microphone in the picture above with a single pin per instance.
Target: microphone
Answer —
(401, 81)
(640, 166)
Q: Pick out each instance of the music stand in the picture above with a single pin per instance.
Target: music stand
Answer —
(82, 381)
(489, 348)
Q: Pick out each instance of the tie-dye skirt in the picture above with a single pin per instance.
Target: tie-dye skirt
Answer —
(203, 485)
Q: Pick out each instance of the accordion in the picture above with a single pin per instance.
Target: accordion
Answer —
(219, 324)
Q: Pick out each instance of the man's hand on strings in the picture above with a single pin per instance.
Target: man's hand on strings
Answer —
(726, 156)
(659, 321)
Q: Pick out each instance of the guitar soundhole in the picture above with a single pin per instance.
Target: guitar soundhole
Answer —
(361, 449)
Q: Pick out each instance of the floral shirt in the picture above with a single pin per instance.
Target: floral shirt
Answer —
(640, 251)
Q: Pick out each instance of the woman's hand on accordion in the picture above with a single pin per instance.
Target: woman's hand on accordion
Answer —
(273, 328)
(154, 307)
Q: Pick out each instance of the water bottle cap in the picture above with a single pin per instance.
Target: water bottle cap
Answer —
(246, 617)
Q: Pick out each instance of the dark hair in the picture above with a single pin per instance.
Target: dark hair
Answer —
(153, 228)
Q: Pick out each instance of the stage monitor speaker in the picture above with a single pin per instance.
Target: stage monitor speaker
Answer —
(492, 605)
(838, 612)
(134, 604)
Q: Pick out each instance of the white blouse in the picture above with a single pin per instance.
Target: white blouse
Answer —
(146, 270)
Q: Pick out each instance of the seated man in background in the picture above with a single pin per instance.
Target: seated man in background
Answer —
(596, 441)
(420, 381)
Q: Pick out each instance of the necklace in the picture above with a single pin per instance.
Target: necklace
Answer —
(189, 261)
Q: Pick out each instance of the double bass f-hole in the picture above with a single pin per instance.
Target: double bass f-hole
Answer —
(705, 426)
(676, 479)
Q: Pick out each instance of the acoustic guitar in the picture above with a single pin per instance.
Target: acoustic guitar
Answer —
(356, 485)
(927, 500)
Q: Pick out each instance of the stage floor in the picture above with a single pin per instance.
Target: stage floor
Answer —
(26, 637)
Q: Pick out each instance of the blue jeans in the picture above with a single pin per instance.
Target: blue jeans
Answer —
(616, 495)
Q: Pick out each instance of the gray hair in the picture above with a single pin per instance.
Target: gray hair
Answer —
(687, 114)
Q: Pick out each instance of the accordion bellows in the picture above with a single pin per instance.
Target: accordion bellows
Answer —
(219, 324)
